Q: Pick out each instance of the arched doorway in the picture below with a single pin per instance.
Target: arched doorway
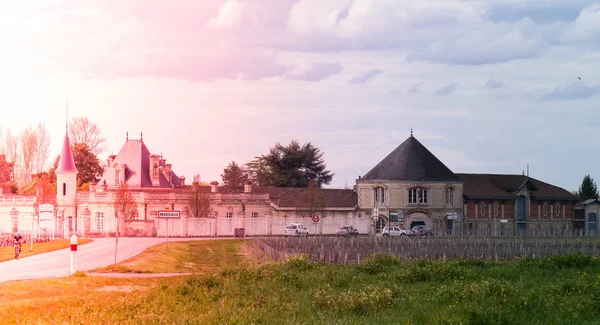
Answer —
(380, 223)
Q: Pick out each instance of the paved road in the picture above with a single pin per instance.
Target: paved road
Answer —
(98, 253)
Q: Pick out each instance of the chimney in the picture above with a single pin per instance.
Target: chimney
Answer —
(168, 173)
(214, 187)
(154, 170)
(110, 160)
(248, 187)
(181, 180)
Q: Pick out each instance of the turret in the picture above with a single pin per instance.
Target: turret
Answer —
(66, 183)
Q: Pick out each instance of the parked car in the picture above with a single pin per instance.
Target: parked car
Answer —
(347, 231)
(422, 230)
(395, 232)
(296, 229)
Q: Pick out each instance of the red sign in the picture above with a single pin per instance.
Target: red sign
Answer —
(73, 247)
(315, 218)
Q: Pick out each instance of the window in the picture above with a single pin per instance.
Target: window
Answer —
(229, 215)
(545, 209)
(117, 177)
(64, 189)
(254, 214)
(100, 221)
(450, 195)
(557, 208)
(482, 208)
(379, 195)
(495, 208)
(417, 195)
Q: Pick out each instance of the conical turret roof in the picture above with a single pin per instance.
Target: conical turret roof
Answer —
(411, 161)
(66, 164)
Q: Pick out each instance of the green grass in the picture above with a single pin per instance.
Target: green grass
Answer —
(186, 257)
(8, 253)
(381, 290)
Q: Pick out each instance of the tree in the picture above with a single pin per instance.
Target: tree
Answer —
(313, 201)
(88, 165)
(234, 176)
(588, 189)
(198, 203)
(6, 176)
(290, 166)
(124, 203)
(82, 130)
(31, 148)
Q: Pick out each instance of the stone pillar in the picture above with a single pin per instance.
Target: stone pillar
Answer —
(87, 221)
(14, 219)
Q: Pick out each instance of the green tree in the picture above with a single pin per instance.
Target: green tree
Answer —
(87, 164)
(588, 189)
(293, 165)
(234, 176)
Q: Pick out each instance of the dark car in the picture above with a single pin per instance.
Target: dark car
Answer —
(347, 231)
(422, 230)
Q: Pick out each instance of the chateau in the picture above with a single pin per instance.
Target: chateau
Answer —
(408, 187)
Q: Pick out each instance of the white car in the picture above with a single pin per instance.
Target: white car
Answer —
(296, 229)
(395, 232)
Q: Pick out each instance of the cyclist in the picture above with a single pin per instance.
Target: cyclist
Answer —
(17, 239)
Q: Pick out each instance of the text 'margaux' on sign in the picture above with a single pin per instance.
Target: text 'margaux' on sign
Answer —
(168, 214)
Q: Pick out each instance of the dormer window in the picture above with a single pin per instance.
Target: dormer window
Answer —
(155, 170)
(379, 195)
(417, 195)
(117, 177)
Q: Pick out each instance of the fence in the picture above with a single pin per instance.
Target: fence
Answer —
(353, 250)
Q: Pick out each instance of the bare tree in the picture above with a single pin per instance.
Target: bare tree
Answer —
(27, 151)
(82, 130)
(312, 202)
(198, 204)
(42, 148)
(125, 204)
(12, 152)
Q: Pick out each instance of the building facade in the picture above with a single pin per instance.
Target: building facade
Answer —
(408, 187)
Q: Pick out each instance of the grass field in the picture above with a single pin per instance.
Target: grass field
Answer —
(8, 252)
(186, 257)
(380, 290)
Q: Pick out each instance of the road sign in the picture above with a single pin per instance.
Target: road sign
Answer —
(168, 214)
(315, 218)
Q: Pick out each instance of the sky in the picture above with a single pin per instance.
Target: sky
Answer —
(487, 86)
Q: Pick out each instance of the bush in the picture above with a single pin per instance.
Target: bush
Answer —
(378, 263)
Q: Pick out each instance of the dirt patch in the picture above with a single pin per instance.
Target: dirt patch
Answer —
(123, 288)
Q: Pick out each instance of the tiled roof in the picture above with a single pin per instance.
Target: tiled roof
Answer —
(292, 196)
(66, 164)
(410, 161)
(504, 186)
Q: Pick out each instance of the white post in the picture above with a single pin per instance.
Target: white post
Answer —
(73, 254)
(167, 234)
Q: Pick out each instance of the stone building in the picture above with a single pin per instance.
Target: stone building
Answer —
(408, 187)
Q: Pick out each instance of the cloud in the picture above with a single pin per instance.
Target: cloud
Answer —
(574, 90)
(585, 29)
(230, 15)
(493, 84)
(446, 90)
(318, 72)
(416, 88)
(365, 77)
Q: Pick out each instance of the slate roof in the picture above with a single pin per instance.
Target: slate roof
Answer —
(410, 161)
(136, 156)
(66, 163)
(503, 186)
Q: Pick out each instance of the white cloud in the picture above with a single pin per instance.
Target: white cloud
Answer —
(586, 28)
(231, 14)
(446, 90)
(574, 90)
(318, 72)
(365, 77)
(493, 84)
